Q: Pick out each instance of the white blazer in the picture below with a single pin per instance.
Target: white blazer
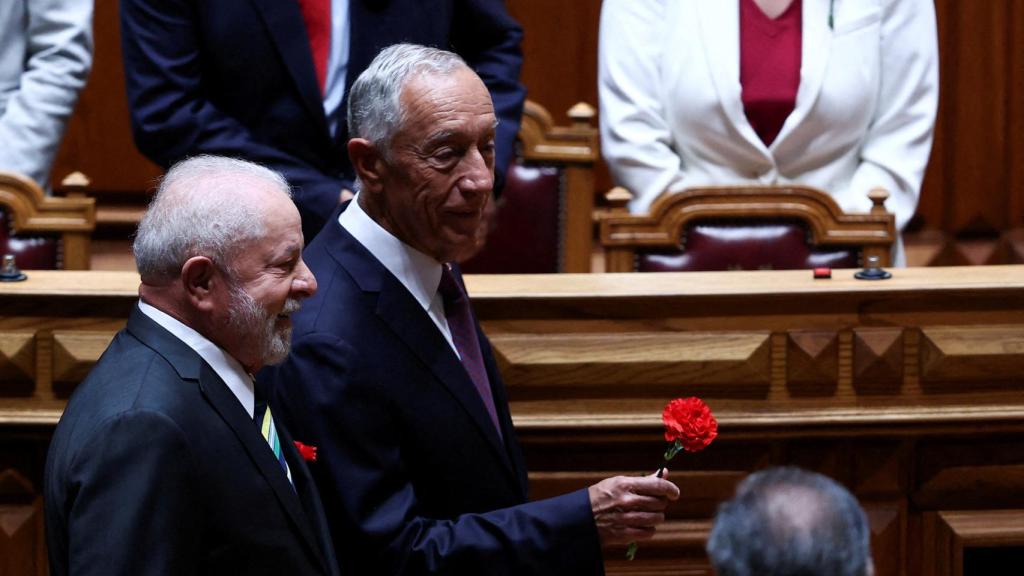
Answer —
(45, 57)
(672, 115)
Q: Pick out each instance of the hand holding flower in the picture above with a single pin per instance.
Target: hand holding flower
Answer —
(690, 426)
(629, 508)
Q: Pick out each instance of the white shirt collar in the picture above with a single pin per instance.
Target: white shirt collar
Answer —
(230, 370)
(419, 273)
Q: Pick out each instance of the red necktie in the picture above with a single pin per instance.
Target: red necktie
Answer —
(317, 16)
(460, 321)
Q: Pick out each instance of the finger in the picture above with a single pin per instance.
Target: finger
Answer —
(638, 519)
(643, 503)
(621, 535)
(650, 486)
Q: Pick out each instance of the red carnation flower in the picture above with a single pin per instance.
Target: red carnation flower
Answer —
(690, 426)
(689, 421)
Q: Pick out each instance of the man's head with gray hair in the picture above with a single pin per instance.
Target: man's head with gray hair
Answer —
(422, 147)
(219, 249)
(202, 207)
(375, 110)
(790, 522)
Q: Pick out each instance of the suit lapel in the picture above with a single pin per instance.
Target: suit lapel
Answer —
(231, 411)
(310, 499)
(816, 47)
(284, 23)
(501, 405)
(720, 36)
(190, 366)
(407, 320)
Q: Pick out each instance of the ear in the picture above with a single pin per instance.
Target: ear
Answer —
(367, 162)
(199, 278)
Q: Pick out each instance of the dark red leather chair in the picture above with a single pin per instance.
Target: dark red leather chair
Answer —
(44, 232)
(744, 228)
(544, 218)
(32, 252)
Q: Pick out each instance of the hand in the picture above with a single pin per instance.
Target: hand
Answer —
(628, 508)
(345, 195)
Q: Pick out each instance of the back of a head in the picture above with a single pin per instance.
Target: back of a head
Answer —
(205, 205)
(790, 522)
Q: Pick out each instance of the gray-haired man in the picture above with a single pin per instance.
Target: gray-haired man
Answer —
(790, 522)
(420, 468)
(167, 460)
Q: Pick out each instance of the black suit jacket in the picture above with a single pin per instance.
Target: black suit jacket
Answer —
(236, 78)
(156, 468)
(414, 477)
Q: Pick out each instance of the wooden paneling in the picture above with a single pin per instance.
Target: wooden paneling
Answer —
(947, 535)
(99, 139)
(903, 390)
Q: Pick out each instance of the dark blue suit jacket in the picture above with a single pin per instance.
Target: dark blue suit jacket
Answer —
(414, 477)
(155, 468)
(236, 77)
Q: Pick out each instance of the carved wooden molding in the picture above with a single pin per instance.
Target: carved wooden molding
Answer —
(877, 359)
(948, 533)
(812, 362)
(17, 356)
(75, 353)
(543, 141)
(990, 355)
(34, 211)
(733, 359)
(17, 521)
(887, 523)
(671, 213)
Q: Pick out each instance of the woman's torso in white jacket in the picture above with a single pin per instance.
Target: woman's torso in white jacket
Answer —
(672, 115)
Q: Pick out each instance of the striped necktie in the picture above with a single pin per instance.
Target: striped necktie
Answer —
(265, 421)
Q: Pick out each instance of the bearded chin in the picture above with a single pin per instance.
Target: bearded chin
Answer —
(259, 327)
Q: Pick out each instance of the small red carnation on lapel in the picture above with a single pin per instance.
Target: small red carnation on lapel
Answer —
(307, 452)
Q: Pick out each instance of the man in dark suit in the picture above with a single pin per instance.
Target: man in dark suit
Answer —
(266, 80)
(157, 465)
(420, 469)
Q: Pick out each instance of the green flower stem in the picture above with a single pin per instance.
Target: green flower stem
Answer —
(670, 453)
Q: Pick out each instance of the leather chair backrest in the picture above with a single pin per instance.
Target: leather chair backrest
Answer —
(30, 252)
(524, 237)
(710, 245)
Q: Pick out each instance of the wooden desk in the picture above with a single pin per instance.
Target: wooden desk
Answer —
(908, 390)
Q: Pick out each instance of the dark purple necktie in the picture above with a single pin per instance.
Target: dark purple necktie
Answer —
(463, 329)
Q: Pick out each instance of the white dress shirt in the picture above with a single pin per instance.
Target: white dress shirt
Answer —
(419, 273)
(230, 370)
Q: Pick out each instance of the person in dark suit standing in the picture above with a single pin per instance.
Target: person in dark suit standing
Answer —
(166, 459)
(267, 80)
(391, 377)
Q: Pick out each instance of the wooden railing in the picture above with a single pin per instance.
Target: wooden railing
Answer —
(906, 390)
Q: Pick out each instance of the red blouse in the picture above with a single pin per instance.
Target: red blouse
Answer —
(769, 66)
